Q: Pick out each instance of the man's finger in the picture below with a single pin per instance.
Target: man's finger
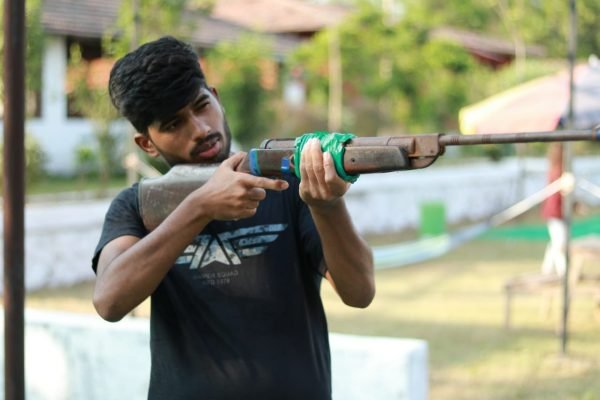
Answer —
(306, 166)
(234, 160)
(266, 183)
(329, 166)
(317, 163)
(257, 194)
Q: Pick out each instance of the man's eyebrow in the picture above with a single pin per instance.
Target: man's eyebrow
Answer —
(201, 97)
(167, 120)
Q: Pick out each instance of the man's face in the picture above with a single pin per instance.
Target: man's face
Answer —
(197, 133)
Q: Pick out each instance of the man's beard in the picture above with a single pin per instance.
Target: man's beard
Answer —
(171, 160)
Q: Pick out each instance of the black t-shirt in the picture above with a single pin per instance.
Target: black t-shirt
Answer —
(239, 316)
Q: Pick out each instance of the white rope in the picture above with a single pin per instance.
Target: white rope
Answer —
(564, 183)
(589, 187)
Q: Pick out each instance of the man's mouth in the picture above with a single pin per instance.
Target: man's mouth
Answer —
(208, 148)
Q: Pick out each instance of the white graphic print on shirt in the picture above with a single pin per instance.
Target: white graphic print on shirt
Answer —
(229, 247)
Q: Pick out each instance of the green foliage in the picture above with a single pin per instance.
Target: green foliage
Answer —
(34, 45)
(85, 160)
(543, 22)
(483, 83)
(398, 78)
(95, 104)
(34, 49)
(134, 27)
(35, 161)
(393, 69)
(236, 68)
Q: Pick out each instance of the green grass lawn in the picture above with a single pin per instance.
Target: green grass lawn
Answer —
(59, 185)
(456, 304)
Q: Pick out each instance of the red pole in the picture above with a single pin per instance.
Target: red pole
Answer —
(14, 199)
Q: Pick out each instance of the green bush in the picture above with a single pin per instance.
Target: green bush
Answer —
(35, 161)
(237, 70)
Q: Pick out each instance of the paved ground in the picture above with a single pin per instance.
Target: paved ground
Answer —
(59, 241)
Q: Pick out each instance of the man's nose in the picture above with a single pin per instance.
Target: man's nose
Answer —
(200, 126)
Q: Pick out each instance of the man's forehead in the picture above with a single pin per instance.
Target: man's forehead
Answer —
(202, 93)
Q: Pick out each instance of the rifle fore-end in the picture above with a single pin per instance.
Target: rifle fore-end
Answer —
(158, 197)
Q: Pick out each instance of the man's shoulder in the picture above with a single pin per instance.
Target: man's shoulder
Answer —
(127, 194)
(126, 199)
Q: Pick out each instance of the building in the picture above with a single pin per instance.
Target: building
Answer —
(491, 51)
(57, 128)
(294, 17)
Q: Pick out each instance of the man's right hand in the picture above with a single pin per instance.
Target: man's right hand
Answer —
(232, 195)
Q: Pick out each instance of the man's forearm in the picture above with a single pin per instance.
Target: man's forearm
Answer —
(129, 270)
(348, 257)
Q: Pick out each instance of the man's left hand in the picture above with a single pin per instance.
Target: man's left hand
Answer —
(320, 187)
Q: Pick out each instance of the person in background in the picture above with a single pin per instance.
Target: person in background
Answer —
(234, 272)
(554, 257)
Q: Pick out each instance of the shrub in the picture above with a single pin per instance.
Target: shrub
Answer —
(35, 161)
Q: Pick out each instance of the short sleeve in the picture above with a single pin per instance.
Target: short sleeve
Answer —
(122, 218)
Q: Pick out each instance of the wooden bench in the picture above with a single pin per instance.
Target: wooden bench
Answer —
(584, 277)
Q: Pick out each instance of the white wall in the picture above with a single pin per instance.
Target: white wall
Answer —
(59, 135)
(80, 357)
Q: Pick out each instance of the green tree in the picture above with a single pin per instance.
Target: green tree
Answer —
(34, 49)
(542, 22)
(394, 74)
(35, 161)
(235, 67)
(95, 104)
(140, 21)
(423, 82)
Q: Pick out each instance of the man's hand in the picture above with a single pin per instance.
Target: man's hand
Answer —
(320, 187)
(348, 259)
(232, 195)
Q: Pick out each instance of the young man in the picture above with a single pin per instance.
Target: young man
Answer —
(234, 272)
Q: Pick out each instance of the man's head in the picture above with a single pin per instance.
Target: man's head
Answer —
(161, 89)
(154, 81)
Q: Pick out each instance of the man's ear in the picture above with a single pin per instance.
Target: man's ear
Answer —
(215, 93)
(144, 143)
(213, 90)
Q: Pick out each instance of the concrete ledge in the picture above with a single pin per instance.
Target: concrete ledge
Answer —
(79, 356)
(365, 367)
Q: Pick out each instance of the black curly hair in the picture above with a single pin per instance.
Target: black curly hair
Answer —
(155, 81)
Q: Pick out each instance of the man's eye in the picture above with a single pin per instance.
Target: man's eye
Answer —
(202, 105)
(171, 125)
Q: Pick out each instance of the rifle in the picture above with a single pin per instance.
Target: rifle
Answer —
(158, 197)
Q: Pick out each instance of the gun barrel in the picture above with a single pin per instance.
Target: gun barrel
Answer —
(521, 137)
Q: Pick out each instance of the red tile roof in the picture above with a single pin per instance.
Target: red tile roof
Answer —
(482, 42)
(292, 16)
(91, 18)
